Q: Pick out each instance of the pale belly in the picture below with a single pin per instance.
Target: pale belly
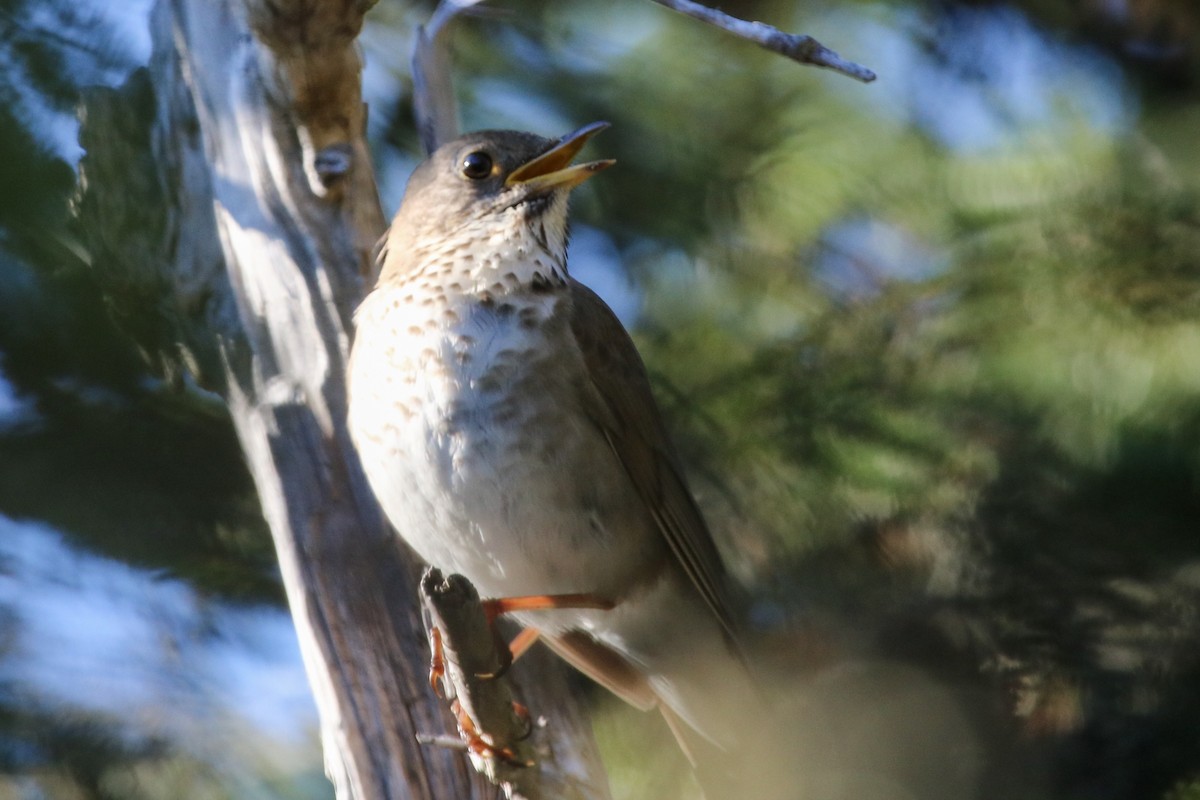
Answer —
(476, 444)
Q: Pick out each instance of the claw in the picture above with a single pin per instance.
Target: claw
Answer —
(477, 745)
(467, 729)
(523, 714)
(493, 608)
(510, 652)
(437, 661)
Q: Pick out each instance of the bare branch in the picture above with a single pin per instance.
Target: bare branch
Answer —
(797, 47)
(496, 737)
(433, 87)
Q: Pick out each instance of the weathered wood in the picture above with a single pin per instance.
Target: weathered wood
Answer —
(247, 225)
(472, 666)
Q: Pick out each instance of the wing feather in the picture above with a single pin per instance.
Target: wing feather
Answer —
(619, 401)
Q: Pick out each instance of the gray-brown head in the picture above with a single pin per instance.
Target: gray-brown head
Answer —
(484, 187)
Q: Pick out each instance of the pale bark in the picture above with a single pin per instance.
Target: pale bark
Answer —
(230, 195)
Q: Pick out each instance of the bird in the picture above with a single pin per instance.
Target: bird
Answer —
(505, 422)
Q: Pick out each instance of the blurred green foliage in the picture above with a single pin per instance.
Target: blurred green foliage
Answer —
(938, 390)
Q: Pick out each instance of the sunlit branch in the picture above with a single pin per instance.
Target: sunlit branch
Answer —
(798, 47)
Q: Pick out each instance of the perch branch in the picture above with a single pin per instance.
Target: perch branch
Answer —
(804, 49)
(495, 736)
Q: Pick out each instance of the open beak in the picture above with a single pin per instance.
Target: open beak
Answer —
(553, 168)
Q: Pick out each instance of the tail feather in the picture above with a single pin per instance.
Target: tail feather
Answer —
(605, 666)
(710, 703)
(664, 648)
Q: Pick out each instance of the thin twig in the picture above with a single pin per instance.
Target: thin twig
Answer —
(798, 47)
(443, 740)
(433, 86)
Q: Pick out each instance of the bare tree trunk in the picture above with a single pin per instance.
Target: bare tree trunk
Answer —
(244, 219)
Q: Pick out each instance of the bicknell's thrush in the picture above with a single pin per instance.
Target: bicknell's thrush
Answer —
(506, 425)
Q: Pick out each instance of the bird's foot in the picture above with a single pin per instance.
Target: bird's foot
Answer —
(511, 651)
(478, 746)
(523, 714)
(492, 609)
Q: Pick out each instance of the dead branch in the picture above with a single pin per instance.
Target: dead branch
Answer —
(798, 47)
(495, 735)
(433, 88)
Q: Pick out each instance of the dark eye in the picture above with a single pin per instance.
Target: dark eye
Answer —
(477, 165)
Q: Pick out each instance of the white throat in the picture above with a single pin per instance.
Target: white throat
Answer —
(501, 253)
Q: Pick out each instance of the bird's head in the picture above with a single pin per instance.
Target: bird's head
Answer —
(485, 185)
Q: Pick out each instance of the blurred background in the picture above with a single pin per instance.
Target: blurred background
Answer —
(930, 348)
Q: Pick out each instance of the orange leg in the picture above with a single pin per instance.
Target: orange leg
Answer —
(523, 641)
(534, 602)
(543, 602)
